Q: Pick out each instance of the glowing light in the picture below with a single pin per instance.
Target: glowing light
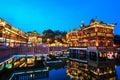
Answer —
(96, 42)
(98, 70)
(3, 23)
(31, 75)
(1, 66)
(8, 66)
(96, 29)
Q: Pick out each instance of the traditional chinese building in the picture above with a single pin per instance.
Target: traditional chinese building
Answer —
(11, 36)
(73, 38)
(93, 45)
(34, 38)
(15, 43)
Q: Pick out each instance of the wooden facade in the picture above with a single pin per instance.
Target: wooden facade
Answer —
(94, 44)
(34, 38)
(11, 36)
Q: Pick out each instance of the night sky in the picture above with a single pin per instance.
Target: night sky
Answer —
(39, 15)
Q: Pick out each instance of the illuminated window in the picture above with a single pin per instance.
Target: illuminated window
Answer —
(109, 35)
(102, 56)
(93, 34)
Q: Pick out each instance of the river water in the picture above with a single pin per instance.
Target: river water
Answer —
(56, 71)
(118, 72)
(53, 74)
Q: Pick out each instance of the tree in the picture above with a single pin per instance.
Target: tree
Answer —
(48, 34)
(117, 40)
(54, 35)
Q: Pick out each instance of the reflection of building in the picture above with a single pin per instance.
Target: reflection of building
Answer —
(19, 62)
(11, 36)
(118, 50)
(35, 74)
(94, 44)
(80, 71)
(34, 39)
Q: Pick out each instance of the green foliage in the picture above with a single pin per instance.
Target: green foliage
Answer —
(53, 35)
(117, 39)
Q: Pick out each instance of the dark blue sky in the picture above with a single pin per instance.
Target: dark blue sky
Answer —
(29, 15)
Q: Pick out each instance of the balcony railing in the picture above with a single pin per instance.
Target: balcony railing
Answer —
(6, 53)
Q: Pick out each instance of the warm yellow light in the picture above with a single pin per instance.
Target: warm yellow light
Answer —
(100, 54)
(114, 45)
(55, 41)
(96, 29)
(9, 61)
(98, 70)
(48, 39)
(96, 42)
(3, 23)
(53, 44)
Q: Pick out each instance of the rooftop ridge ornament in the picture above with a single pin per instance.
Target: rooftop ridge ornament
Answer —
(82, 24)
(75, 28)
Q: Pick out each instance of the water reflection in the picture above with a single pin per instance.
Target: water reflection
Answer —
(80, 71)
(73, 71)
(52, 74)
(57, 71)
(118, 72)
(30, 75)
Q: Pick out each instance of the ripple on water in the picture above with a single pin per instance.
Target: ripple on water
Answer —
(118, 71)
